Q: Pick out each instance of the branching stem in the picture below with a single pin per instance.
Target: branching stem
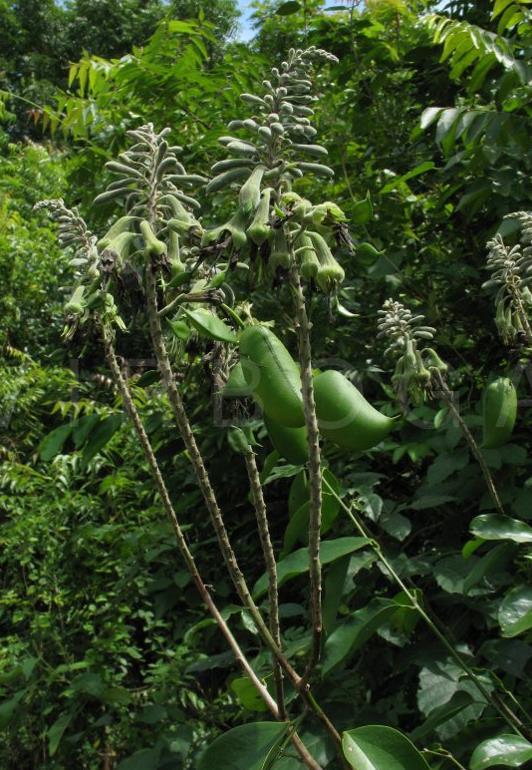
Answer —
(475, 449)
(505, 712)
(271, 567)
(188, 558)
(314, 466)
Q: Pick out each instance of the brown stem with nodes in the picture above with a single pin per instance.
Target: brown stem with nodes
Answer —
(271, 567)
(188, 558)
(209, 496)
(475, 449)
(170, 511)
(314, 532)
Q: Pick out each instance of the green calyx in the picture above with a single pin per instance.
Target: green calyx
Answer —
(152, 245)
(330, 273)
(259, 230)
(121, 226)
(249, 195)
(308, 259)
(236, 227)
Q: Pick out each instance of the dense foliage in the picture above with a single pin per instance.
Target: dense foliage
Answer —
(109, 659)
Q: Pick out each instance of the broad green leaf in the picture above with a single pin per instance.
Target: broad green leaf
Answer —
(247, 694)
(362, 211)
(246, 746)
(82, 428)
(288, 8)
(179, 329)
(297, 529)
(354, 631)
(377, 747)
(493, 561)
(515, 611)
(53, 443)
(298, 562)
(209, 325)
(8, 708)
(491, 526)
(56, 731)
(145, 759)
(442, 714)
(505, 750)
(101, 435)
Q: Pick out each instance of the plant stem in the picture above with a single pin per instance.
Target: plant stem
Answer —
(196, 459)
(271, 568)
(475, 449)
(504, 711)
(170, 511)
(314, 467)
(188, 558)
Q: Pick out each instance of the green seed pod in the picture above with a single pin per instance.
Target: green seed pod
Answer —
(279, 254)
(308, 259)
(226, 178)
(259, 229)
(330, 272)
(111, 195)
(316, 168)
(174, 255)
(273, 376)
(313, 149)
(249, 195)
(344, 415)
(236, 226)
(177, 208)
(122, 225)
(119, 247)
(76, 303)
(499, 411)
(433, 361)
(153, 246)
(231, 163)
(291, 443)
(236, 385)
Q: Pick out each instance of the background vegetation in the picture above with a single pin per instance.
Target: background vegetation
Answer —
(107, 657)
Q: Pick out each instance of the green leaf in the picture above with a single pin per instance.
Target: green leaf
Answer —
(179, 329)
(355, 631)
(52, 444)
(145, 759)
(506, 750)
(376, 747)
(56, 731)
(491, 526)
(362, 211)
(441, 714)
(247, 694)
(297, 529)
(101, 435)
(209, 325)
(515, 611)
(82, 428)
(298, 562)
(8, 708)
(287, 9)
(246, 746)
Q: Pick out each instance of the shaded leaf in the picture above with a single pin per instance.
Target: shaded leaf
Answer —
(246, 746)
(298, 562)
(376, 747)
(506, 750)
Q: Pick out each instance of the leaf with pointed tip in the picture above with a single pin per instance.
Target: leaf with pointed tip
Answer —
(506, 750)
(377, 747)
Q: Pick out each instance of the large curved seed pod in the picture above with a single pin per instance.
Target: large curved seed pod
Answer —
(499, 411)
(345, 417)
(273, 375)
